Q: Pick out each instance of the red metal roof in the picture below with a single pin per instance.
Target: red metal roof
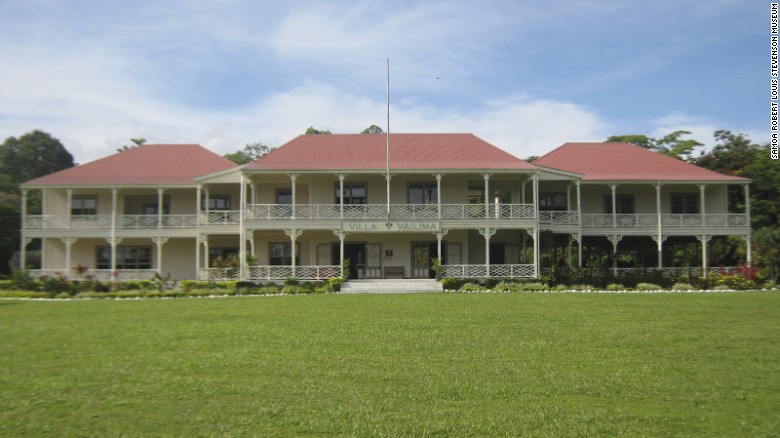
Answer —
(625, 162)
(174, 164)
(407, 151)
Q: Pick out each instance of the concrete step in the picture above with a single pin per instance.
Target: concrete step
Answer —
(391, 286)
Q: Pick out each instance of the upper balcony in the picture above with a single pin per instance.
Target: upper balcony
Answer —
(668, 221)
(132, 221)
(277, 212)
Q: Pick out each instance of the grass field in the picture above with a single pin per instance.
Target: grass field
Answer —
(394, 365)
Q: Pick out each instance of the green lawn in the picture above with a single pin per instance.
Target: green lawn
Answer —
(394, 365)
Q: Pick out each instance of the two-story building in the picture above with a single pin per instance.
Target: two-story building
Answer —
(381, 206)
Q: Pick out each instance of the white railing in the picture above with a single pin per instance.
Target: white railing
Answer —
(397, 211)
(220, 217)
(559, 217)
(105, 275)
(64, 222)
(676, 271)
(153, 221)
(276, 273)
(667, 220)
(130, 221)
(219, 274)
(493, 271)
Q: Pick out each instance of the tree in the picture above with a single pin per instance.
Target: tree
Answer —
(766, 247)
(672, 144)
(251, 152)
(32, 155)
(312, 131)
(373, 129)
(136, 142)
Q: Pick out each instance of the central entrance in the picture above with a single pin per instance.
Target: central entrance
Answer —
(423, 254)
(365, 259)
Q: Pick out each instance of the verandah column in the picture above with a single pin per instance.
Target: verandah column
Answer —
(341, 195)
(341, 235)
(69, 205)
(487, 232)
(486, 176)
(703, 205)
(293, 179)
(160, 209)
(704, 238)
(241, 228)
(68, 241)
(24, 240)
(748, 238)
(659, 238)
(294, 234)
(159, 241)
(438, 197)
(614, 238)
(113, 241)
(613, 187)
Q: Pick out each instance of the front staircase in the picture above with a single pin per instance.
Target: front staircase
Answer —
(408, 286)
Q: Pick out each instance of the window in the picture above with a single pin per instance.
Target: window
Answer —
(354, 193)
(151, 209)
(476, 192)
(625, 204)
(552, 202)
(218, 202)
(127, 257)
(423, 193)
(221, 253)
(83, 206)
(685, 203)
(280, 254)
(284, 196)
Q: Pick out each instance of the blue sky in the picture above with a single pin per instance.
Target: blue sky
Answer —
(525, 75)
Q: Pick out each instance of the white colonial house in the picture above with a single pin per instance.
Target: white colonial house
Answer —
(382, 206)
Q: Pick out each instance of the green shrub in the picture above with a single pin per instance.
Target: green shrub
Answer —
(22, 280)
(62, 295)
(171, 293)
(721, 287)
(615, 287)
(269, 290)
(135, 285)
(451, 283)
(197, 293)
(89, 295)
(291, 282)
(682, 286)
(334, 284)
(128, 294)
(648, 286)
(736, 282)
(22, 294)
(472, 287)
(581, 287)
(189, 285)
(521, 287)
(7, 285)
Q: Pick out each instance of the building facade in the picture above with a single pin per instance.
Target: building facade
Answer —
(367, 206)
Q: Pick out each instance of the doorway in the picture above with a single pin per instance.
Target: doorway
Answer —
(423, 254)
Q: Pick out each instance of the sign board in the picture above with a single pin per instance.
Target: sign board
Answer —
(390, 227)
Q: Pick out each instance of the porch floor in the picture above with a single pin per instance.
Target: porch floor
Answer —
(400, 286)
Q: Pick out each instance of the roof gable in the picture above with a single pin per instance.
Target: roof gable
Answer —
(175, 164)
(407, 151)
(625, 162)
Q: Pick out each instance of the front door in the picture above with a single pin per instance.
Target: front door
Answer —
(356, 254)
(423, 254)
